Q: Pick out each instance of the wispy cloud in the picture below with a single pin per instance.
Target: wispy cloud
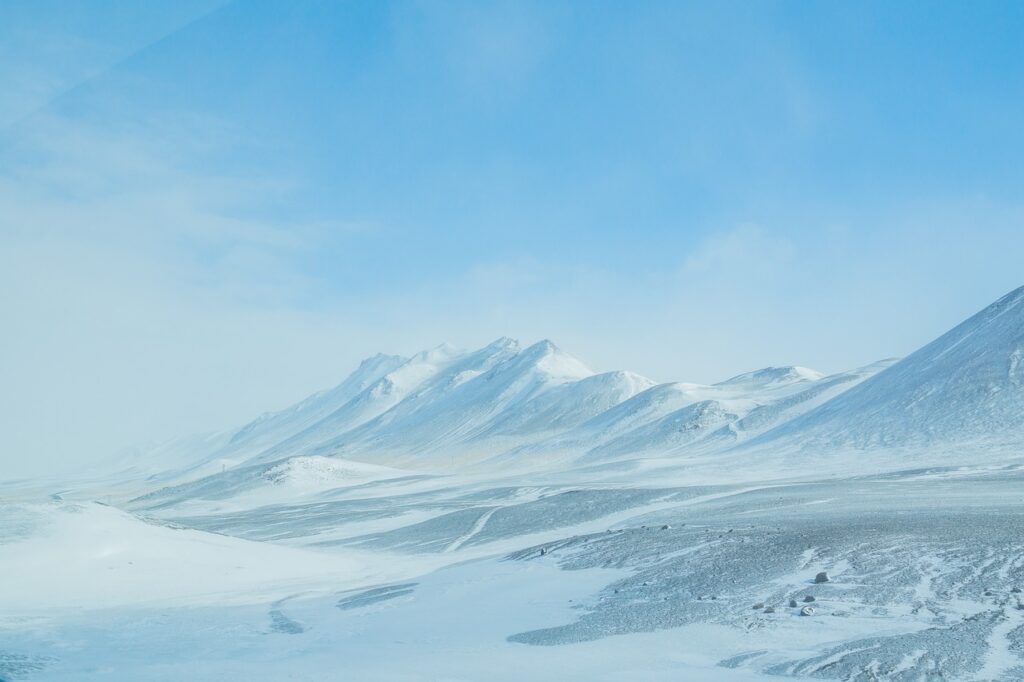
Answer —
(142, 295)
(47, 49)
(745, 251)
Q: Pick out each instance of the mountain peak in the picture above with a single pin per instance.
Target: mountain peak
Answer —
(378, 360)
(774, 375)
(440, 353)
(542, 347)
(503, 343)
(555, 362)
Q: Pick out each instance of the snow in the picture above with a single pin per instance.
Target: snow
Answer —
(964, 387)
(773, 375)
(507, 406)
(507, 512)
(324, 473)
(91, 556)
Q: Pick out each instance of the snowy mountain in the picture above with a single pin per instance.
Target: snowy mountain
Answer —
(673, 418)
(504, 406)
(781, 522)
(269, 429)
(967, 386)
(452, 400)
(511, 405)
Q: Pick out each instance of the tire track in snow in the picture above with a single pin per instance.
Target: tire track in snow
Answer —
(477, 527)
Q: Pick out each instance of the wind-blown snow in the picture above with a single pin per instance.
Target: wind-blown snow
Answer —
(508, 512)
(91, 556)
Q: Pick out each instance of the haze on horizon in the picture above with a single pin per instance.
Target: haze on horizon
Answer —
(209, 210)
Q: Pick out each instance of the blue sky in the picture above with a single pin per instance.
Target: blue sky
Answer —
(210, 209)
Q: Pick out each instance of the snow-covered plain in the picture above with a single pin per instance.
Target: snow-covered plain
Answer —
(507, 513)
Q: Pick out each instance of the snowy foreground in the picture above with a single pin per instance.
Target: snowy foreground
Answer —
(506, 514)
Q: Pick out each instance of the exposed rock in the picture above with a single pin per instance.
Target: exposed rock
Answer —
(808, 599)
(792, 603)
(821, 577)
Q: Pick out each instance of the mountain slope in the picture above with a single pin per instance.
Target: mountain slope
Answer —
(457, 408)
(407, 379)
(714, 418)
(966, 386)
(571, 404)
(271, 428)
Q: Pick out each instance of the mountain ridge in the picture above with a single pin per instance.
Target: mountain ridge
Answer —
(506, 405)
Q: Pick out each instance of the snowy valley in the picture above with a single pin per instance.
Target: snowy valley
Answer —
(507, 513)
